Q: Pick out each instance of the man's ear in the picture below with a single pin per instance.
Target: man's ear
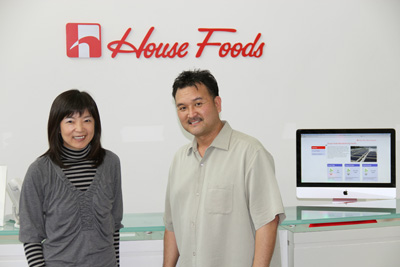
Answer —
(217, 102)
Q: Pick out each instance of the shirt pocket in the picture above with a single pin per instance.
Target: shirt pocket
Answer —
(219, 199)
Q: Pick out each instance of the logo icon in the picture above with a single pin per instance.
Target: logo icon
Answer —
(83, 40)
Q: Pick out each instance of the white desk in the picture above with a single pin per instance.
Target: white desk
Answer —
(141, 242)
(366, 245)
(374, 244)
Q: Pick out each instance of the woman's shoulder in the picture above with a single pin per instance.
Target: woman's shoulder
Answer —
(40, 168)
(110, 156)
(40, 162)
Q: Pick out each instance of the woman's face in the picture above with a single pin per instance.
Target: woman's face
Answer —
(77, 131)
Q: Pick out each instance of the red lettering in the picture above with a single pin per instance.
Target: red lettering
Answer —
(163, 53)
(205, 41)
(119, 44)
(166, 50)
(148, 50)
(143, 44)
(236, 49)
(181, 50)
(249, 50)
(259, 51)
(251, 46)
(172, 53)
(224, 50)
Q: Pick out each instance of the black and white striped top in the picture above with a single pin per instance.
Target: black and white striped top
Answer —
(80, 172)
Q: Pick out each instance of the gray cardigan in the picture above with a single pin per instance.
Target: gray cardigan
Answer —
(76, 227)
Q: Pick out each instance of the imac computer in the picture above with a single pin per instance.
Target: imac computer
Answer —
(346, 164)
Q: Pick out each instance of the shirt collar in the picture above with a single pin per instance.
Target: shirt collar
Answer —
(221, 141)
(70, 154)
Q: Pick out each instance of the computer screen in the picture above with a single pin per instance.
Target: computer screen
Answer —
(346, 163)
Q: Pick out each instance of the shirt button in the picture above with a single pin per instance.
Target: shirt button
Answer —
(197, 194)
(194, 253)
(202, 164)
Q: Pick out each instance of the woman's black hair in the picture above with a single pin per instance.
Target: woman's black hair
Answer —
(67, 104)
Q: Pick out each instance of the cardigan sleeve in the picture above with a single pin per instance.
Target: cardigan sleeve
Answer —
(117, 209)
(32, 226)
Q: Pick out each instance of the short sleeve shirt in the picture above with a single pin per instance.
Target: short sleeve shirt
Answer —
(215, 203)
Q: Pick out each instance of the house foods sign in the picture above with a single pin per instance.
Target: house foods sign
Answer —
(84, 41)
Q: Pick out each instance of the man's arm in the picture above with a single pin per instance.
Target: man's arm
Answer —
(171, 253)
(265, 243)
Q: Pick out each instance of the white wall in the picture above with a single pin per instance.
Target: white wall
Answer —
(326, 64)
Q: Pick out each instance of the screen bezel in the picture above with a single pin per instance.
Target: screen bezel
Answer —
(392, 133)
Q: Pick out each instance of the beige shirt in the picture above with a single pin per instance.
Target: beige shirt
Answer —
(215, 204)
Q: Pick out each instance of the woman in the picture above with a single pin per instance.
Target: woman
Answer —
(71, 200)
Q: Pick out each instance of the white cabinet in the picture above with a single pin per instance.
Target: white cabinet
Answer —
(377, 245)
(12, 255)
(146, 253)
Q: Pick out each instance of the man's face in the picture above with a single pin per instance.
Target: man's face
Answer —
(198, 112)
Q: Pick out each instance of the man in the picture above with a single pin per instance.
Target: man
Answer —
(223, 204)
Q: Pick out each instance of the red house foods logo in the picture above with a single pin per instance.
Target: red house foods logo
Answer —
(84, 41)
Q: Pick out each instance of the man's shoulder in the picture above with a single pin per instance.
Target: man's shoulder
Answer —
(246, 139)
(248, 143)
(183, 150)
(180, 156)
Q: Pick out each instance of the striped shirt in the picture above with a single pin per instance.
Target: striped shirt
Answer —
(80, 172)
